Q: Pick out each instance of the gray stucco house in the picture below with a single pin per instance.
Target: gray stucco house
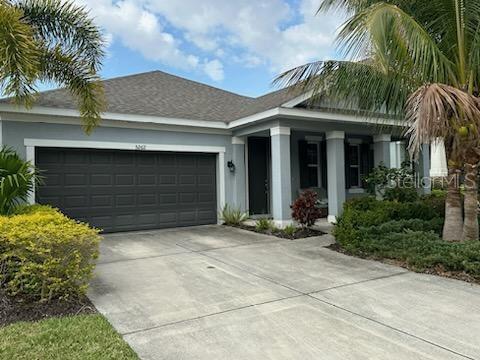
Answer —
(171, 152)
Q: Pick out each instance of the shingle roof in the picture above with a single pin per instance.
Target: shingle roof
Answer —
(160, 94)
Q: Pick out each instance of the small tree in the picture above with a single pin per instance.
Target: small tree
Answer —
(17, 180)
(305, 210)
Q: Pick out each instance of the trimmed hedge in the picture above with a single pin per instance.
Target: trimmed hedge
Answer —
(407, 232)
(368, 211)
(45, 255)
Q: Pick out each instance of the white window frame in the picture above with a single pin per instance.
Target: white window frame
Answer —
(31, 144)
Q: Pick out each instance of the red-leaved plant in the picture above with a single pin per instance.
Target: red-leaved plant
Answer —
(305, 210)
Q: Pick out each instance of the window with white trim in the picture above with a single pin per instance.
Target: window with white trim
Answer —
(313, 177)
(354, 166)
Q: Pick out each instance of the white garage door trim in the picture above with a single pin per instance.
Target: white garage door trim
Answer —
(31, 144)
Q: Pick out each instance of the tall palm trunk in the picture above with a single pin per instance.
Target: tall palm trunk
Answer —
(452, 229)
(470, 225)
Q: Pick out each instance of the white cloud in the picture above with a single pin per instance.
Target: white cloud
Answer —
(214, 69)
(250, 32)
(254, 27)
(140, 29)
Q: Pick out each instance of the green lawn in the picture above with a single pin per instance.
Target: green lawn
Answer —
(76, 337)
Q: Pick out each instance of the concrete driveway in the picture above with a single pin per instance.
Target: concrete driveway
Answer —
(214, 292)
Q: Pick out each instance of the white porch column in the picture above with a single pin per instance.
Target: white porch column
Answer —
(335, 173)
(281, 176)
(397, 154)
(239, 180)
(381, 149)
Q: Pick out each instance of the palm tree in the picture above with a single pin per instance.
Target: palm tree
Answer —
(51, 41)
(416, 60)
(17, 180)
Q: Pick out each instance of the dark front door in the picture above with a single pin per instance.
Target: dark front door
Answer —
(129, 190)
(258, 175)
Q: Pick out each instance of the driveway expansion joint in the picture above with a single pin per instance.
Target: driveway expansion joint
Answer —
(358, 282)
(209, 315)
(143, 258)
(228, 247)
(392, 328)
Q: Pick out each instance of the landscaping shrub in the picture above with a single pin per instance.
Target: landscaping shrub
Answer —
(394, 184)
(232, 217)
(436, 200)
(305, 210)
(406, 232)
(45, 255)
(368, 211)
(290, 230)
(35, 209)
(420, 250)
(401, 194)
(264, 224)
(434, 225)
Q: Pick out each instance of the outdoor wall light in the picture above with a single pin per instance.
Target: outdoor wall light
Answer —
(231, 166)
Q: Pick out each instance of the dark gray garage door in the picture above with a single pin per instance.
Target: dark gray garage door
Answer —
(129, 190)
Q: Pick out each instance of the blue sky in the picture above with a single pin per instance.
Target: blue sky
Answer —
(235, 45)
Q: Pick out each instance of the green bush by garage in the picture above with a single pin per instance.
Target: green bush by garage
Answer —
(45, 255)
(408, 233)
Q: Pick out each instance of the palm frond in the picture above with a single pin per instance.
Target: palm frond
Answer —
(398, 40)
(81, 81)
(474, 62)
(365, 85)
(351, 6)
(441, 111)
(18, 179)
(18, 55)
(67, 25)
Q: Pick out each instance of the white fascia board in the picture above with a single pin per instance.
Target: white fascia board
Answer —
(29, 118)
(313, 115)
(265, 115)
(337, 117)
(40, 110)
(298, 100)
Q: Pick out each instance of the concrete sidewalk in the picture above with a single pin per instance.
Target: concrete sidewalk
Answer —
(214, 292)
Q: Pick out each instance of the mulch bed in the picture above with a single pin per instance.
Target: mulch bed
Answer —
(301, 233)
(17, 309)
(438, 270)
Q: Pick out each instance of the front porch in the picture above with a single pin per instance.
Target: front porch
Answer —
(282, 160)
